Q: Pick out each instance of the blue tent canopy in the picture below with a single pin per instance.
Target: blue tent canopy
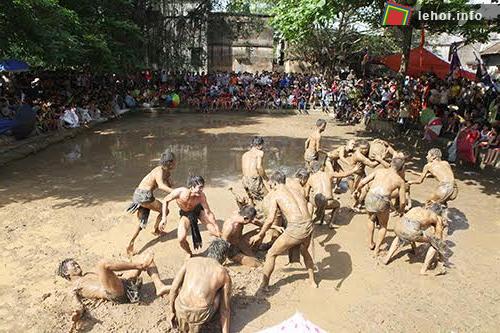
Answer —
(13, 66)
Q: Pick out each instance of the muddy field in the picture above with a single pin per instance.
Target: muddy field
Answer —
(70, 200)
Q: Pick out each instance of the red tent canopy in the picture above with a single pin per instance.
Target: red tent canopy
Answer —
(423, 61)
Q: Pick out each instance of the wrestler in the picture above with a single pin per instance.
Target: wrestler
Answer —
(383, 149)
(298, 182)
(200, 289)
(105, 284)
(143, 200)
(360, 161)
(378, 199)
(312, 144)
(339, 156)
(193, 207)
(240, 250)
(319, 190)
(254, 176)
(412, 228)
(297, 233)
(447, 189)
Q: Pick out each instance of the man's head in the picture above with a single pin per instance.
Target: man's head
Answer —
(257, 142)
(195, 184)
(321, 124)
(218, 250)
(434, 154)
(278, 177)
(167, 160)
(316, 166)
(437, 208)
(303, 175)
(68, 268)
(248, 213)
(350, 145)
(397, 163)
(364, 147)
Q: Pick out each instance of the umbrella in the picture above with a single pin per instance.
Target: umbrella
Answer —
(295, 324)
(13, 66)
(433, 129)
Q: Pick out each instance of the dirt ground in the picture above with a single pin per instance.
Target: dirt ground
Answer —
(70, 200)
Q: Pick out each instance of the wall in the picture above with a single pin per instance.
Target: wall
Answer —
(239, 43)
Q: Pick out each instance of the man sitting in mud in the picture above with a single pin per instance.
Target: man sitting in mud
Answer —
(240, 250)
(312, 144)
(193, 207)
(378, 199)
(360, 161)
(143, 199)
(447, 189)
(254, 175)
(319, 190)
(106, 284)
(412, 228)
(200, 289)
(297, 233)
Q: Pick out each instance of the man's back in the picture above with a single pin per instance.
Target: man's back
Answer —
(292, 205)
(442, 171)
(321, 182)
(386, 181)
(294, 186)
(249, 163)
(204, 277)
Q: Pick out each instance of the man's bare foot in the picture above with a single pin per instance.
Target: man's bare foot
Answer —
(331, 225)
(130, 250)
(162, 291)
(313, 284)
(158, 232)
(372, 246)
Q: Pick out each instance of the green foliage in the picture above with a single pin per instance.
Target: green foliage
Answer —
(70, 34)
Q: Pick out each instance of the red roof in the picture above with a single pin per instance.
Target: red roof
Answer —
(423, 61)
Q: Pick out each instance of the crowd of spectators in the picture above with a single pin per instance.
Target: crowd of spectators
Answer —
(75, 99)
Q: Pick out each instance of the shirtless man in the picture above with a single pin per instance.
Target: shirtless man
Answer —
(339, 156)
(200, 289)
(312, 145)
(105, 284)
(254, 176)
(447, 189)
(381, 148)
(412, 228)
(298, 182)
(378, 199)
(360, 161)
(143, 200)
(193, 207)
(319, 189)
(297, 233)
(232, 232)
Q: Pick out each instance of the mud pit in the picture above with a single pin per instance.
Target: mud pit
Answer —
(69, 201)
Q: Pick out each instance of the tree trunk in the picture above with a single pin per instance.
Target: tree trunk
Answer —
(405, 59)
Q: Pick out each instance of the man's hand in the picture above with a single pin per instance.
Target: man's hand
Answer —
(278, 229)
(255, 239)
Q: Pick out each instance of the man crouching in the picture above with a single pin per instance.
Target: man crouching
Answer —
(200, 289)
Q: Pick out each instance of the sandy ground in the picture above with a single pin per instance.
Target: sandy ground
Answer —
(69, 201)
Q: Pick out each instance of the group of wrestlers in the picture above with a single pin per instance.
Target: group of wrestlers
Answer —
(285, 210)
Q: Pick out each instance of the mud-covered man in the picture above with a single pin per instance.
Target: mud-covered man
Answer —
(106, 284)
(201, 288)
(319, 189)
(312, 144)
(447, 189)
(143, 200)
(254, 175)
(232, 231)
(297, 233)
(193, 206)
(414, 227)
(383, 184)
